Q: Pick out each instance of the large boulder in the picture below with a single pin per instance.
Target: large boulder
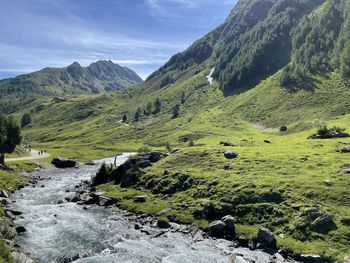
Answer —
(128, 173)
(266, 237)
(230, 225)
(217, 228)
(324, 221)
(140, 199)
(230, 154)
(313, 213)
(64, 163)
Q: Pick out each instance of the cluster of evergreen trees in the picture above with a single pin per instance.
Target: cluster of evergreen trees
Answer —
(257, 42)
(10, 134)
(320, 43)
(155, 108)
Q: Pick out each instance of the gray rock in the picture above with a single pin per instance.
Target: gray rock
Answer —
(347, 259)
(313, 213)
(327, 182)
(324, 221)
(140, 199)
(4, 201)
(227, 144)
(4, 194)
(266, 237)
(230, 225)
(20, 229)
(217, 228)
(163, 224)
(108, 201)
(230, 154)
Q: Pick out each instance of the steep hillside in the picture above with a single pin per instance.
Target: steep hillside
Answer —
(102, 76)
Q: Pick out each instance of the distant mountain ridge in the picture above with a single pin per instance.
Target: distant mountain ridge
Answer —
(99, 77)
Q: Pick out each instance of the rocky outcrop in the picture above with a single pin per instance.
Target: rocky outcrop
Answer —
(128, 173)
(266, 237)
(230, 225)
(140, 199)
(217, 228)
(64, 163)
(329, 135)
(223, 228)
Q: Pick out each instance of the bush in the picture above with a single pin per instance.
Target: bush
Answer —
(103, 175)
(323, 130)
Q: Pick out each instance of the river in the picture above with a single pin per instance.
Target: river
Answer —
(57, 230)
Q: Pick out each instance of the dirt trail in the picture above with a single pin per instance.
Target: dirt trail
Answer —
(34, 155)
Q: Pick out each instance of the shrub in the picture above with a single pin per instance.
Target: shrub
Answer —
(191, 142)
(323, 130)
(103, 175)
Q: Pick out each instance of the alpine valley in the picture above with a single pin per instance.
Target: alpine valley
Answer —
(250, 121)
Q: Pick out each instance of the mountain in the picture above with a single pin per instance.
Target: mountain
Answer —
(260, 37)
(273, 62)
(99, 77)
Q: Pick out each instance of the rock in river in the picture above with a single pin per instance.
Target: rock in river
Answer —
(64, 163)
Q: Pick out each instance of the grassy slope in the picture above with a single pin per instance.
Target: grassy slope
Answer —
(266, 182)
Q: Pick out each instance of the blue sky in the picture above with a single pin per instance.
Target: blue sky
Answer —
(140, 34)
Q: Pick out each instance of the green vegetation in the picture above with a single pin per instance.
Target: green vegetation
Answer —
(10, 135)
(285, 66)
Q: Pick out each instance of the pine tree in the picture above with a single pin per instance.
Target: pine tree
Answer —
(176, 111)
(137, 115)
(183, 97)
(157, 105)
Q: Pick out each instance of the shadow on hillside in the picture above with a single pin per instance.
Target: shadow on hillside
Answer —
(307, 84)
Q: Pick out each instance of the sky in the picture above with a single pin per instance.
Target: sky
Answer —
(139, 34)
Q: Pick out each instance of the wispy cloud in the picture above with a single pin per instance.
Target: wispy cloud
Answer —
(39, 33)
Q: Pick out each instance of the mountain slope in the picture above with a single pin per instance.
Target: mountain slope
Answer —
(102, 76)
(260, 37)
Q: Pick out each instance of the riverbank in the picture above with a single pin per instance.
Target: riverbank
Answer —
(10, 181)
(59, 229)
